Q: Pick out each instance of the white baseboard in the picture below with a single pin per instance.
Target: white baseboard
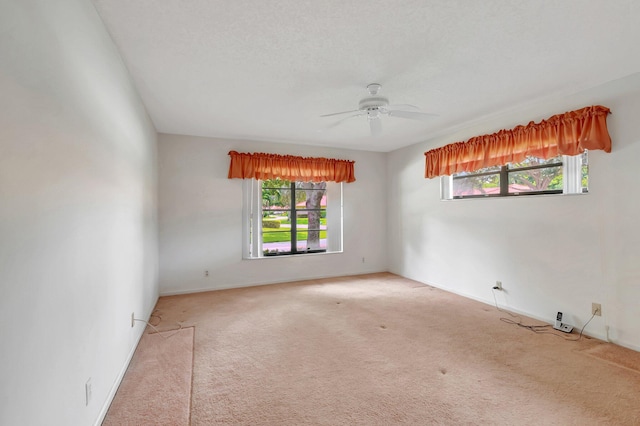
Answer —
(123, 370)
(260, 283)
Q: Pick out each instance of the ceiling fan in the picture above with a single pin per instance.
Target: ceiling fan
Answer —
(373, 106)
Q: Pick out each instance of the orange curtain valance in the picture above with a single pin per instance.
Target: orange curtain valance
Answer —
(288, 167)
(567, 134)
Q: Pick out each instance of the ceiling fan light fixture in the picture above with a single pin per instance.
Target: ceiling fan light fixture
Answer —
(373, 113)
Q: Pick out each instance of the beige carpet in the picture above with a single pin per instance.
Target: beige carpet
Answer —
(383, 350)
(616, 355)
(156, 389)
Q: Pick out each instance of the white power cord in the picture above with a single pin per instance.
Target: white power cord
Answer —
(158, 331)
(537, 328)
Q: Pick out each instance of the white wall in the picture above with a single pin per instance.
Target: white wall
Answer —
(78, 202)
(201, 218)
(553, 253)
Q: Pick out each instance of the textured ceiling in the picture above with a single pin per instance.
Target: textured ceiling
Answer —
(266, 70)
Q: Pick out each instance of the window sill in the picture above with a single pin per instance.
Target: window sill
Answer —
(289, 256)
(524, 195)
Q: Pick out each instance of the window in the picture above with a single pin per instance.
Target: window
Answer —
(292, 217)
(533, 176)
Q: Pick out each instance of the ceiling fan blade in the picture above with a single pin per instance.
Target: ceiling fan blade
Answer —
(401, 106)
(331, 126)
(339, 113)
(376, 126)
(412, 115)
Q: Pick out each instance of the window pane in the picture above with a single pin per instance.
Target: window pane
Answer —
(585, 172)
(275, 240)
(312, 229)
(543, 179)
(276, 208)
(475, 172)
(311, 240)
(476, 185)
(535, 161)
(311, 195)
(276, 196)
(311, 216)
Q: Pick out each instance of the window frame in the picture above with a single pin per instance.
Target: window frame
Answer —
(571, 182)
(293, 215)
(252, 222)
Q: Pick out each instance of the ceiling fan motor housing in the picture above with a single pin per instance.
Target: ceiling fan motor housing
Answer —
(373, 102)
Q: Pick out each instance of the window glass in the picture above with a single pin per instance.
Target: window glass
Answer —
(561, 174)
(483, 182)
(293, 218)
(584, 172)
(535, 175)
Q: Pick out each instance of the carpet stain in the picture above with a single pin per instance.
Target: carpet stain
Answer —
(384, 327)
(443, 371)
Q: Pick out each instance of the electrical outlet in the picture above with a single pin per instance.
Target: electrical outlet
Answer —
(363, 260)
(206, 273)
(133, 319)
(498, 285)
(596, 309)
(87, 391)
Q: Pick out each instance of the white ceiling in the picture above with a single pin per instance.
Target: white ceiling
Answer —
(266, 70)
